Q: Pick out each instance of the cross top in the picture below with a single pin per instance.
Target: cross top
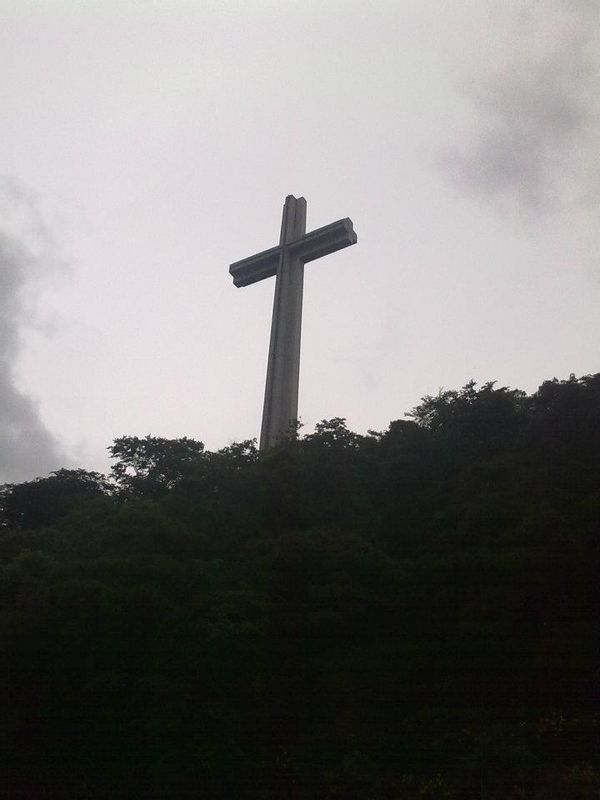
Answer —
(296, 248)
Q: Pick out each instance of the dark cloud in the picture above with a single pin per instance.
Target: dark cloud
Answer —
(27, 256)
(537, 123)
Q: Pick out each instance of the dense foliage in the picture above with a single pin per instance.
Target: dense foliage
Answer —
(407, 614)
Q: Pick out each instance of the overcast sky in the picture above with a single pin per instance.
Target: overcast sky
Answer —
(147, 145)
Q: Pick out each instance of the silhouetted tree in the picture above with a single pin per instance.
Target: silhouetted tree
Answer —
(44, 501)
(406, 614)
(153, 465)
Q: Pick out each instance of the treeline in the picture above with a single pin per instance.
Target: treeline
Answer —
(406, 614)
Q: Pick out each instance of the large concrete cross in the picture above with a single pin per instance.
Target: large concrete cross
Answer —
(286, 261)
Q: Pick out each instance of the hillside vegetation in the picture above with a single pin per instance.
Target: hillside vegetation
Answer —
(407, 614)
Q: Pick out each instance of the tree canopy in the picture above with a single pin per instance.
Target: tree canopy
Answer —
(410, 613)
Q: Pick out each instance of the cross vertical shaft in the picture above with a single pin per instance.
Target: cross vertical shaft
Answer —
(280, 409)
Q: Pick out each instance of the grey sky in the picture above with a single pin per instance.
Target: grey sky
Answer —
(461, 138)
(538, 114)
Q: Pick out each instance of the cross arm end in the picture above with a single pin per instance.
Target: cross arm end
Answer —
(325, 240)
(255, 268)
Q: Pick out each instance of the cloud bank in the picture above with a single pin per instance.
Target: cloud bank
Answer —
(537, 121)
(27, 256)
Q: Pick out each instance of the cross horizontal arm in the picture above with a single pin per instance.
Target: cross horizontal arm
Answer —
(255, 268)
(324, 240)
(307, 248)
